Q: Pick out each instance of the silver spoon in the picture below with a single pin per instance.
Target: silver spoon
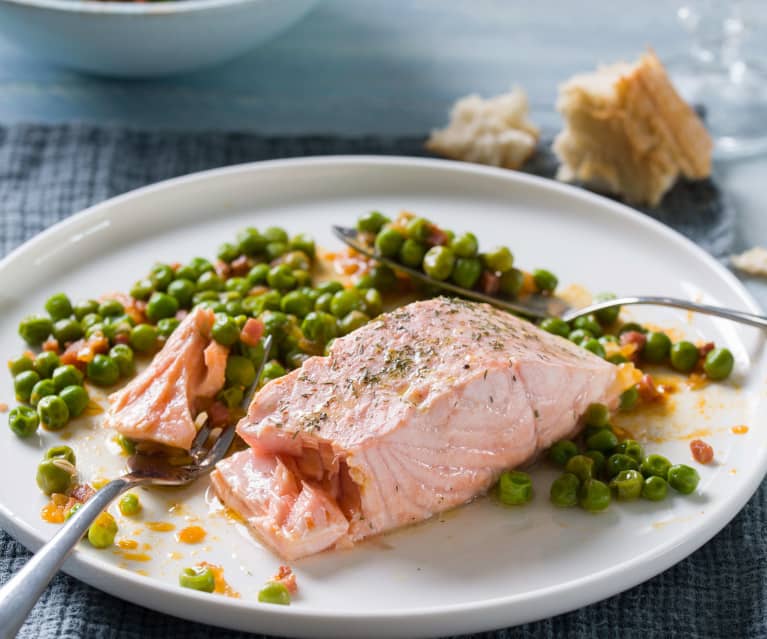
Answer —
(542, 306)
(18, 596)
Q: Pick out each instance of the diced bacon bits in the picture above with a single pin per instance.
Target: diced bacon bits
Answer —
(436, 236)
(218, 413)
(52, 345)
(648, 391)
(286, 577)
(252, 332)
(3, 407)
(489, 282)
(82, 492)
(702, 452)
(634, 337)
(240, 266)
(81, 352)
(222, 269)
(705, 349)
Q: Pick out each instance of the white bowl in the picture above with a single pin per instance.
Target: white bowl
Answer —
(147, 38)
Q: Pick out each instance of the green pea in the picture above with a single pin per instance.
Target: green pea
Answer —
(438, 262)
(296, 260)
(372, 222)
(303, 278)
(276, 234)
(515, 488)
(55, 475)
(58, 306)
(511, 282)
(465, 245)
(161, 275)
(654, 488)
(330, 286)
(71, 512)
(608, 339)
(323, 302)
(617, 358)
(499, 260)
(23, 421)
(383, 277)
(466, 271)
(579, 335)
(183, 290)
(594, 495)
(85, 307)
(272, 370)
(251, 242)
(352, 321)
(127, 445)
(718, 363)
(67, 330)
(295, 358)
(122, 354)
(227, 252)
(628, 398)
(254, 353)
(210, 281)
(76, 399)
(240, 370)
(216, 307)
(597, 415)
(200, 265)
(20, 364)
(595, 347)
(281, 277)
(35, 329)
(274, 592)
(319, 327)
(186, 273)
(110, 308)
(388, 242)
(555, 326)
(683, 479)
(234, 308)
(61, 452)
(564, 490)
(418, 229)
(603, 439)
(237, 285)
(627, 485)
(304, 243)
(655, 466)
(53, 412)
(631, 448)
(618, 462)
(231, 397)
(684, 356)
(103, 371)
(23, 383)
(89, 320)
(561, 452)
(657, 347)
(225, 330)
(43, 388)
(580, 466)
(275, 250)
(365, 282)
(599, 461)
(545, 280)
(589, 323)
(142, 289)
(607, 316)
(103, 531)
(276, 323)
(257, 275)
(411, 253)
(346, 301)
(631, 327)
(161, 305)
(373, 302)
(143, 338)
(166, 326)
(129, 505)
(66, 375)
(296, 303)
(45, 363)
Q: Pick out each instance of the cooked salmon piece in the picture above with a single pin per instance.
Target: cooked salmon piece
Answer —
(158, 405)
(415, 413)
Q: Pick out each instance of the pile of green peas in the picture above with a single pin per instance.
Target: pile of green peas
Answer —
(51, 393)
(441, 254)
(603, 467)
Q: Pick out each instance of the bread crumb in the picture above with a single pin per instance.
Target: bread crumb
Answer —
(496, 131)
(628, 132)
(753, 261)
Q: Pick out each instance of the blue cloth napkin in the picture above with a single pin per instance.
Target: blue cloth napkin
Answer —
(50, 172)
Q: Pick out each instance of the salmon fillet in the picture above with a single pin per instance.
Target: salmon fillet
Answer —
(415, 413)
(158, 404)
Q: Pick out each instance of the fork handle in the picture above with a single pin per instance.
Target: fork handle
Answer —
(728, 313)
(19, 595)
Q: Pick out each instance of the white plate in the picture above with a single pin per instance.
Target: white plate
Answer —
(481, 566)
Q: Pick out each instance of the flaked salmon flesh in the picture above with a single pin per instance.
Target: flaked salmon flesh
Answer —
(158, 405)
(415, 413)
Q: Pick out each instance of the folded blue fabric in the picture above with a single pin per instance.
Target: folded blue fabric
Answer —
(50, 172)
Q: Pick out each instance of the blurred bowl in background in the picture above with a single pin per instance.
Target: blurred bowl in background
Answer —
(144, 39)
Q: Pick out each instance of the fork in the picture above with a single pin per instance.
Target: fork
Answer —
(18, 596)
(538, 306)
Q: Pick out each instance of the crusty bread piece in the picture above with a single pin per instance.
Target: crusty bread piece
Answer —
(495, 131)
(628, 132)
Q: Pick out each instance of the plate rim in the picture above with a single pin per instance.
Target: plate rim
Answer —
(570, 595)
